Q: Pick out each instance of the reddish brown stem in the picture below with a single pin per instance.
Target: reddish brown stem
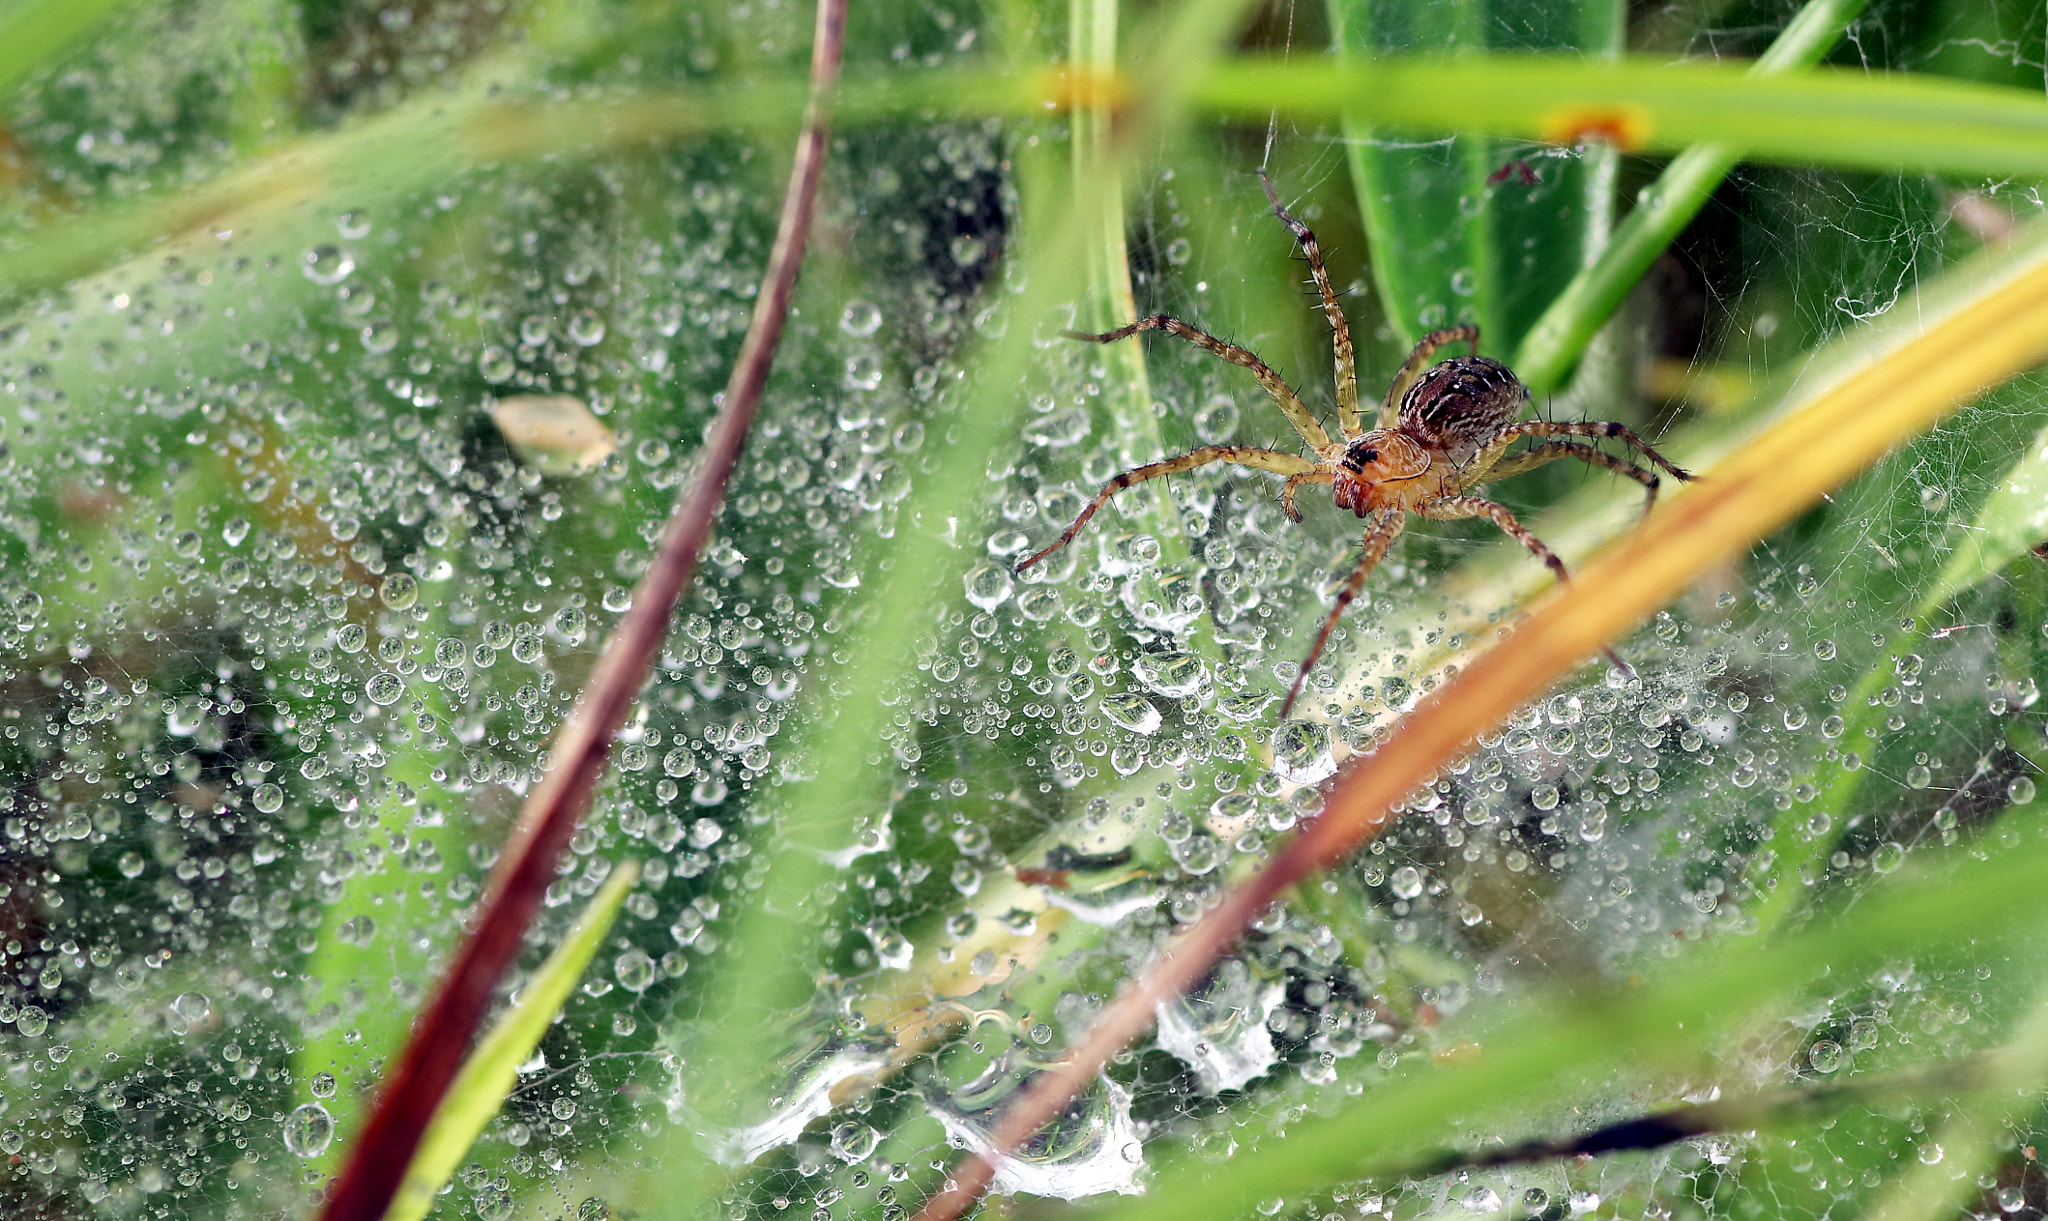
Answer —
(442, 1035)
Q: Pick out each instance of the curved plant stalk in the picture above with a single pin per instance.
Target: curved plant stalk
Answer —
(2009, 524)
(512, 896)
(1982, 323)
(1553, 344)
(491, 1071)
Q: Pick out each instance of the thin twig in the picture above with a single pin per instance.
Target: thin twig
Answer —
(443, 1033)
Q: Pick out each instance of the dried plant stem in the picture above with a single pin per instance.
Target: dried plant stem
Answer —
(513, 895)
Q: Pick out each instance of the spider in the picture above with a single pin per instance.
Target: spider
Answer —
(1443, 429)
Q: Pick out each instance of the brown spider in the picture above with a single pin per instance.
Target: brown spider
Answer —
(1443, 430)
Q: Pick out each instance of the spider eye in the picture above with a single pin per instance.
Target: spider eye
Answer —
(1371, 455)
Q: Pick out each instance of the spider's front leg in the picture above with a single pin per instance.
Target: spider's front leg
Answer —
(1291, 465)
(1385, 527)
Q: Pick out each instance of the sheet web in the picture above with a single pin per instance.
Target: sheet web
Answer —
(295, 608)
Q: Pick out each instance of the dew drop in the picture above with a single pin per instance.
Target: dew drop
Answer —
(634, 970)
(384, 688)
(586, 328)
(1301, 752)
(860, 318)
(327, 264)
(268, 798)
(1918, 777)
(400, 590)
(1132, 711)
(1825, 1056)
(854, 1141)
(988, 586)
(308, 1129)
(2020, 791)
(192, 1006)
(1405, 882)
(1173, 675)
(495, 364)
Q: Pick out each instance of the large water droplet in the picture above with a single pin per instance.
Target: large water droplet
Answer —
(308, 1130)
(1173, 675)
(1301, 751)
(327, 264)
(1132, 711)
(988, 586)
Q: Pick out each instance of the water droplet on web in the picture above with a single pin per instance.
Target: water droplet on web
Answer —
(634, 970)
(988, 586)
(379, 337)
(1068, 426)
(267, 798)
(854, 1141)
(1173, 675)
(1405, 882)
(192, 1006)
(860, 318)
(308, 1129)
(1132, 711)
(586, 328)
(399, 590)
(2020, 791)
(1301, 752)
(384, 688)
(496, 364)
(1216, 423)
(1918, 776)
(1825, 1056)
(327, 264)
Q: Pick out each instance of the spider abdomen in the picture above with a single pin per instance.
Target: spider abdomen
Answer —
(1457, 406)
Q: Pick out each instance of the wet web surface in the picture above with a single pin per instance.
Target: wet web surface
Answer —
(309, 534)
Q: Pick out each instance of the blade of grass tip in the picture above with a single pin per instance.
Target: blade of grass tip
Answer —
(414, 1089)
(490, 1072)
(2011, 521)
(1550, 348)
(1983, 322)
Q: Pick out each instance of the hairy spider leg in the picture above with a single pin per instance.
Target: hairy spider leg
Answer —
(1310, 428)
(1340, 328)
(1294, 483)
(1452, 508)
(1484, 460)
(1243, 455)
(1542, 455)
(1380, 533)
(1422, 358)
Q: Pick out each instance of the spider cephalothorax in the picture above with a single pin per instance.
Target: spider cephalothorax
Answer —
(1443, 429)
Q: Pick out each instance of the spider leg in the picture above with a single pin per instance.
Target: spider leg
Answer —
(1418, 360)
(1576, 428)
(1386, 526)
(1530, 459)
(1451, 508)
(1243, 455)
(1294, 482)
(1290, 404)
(1340, 329)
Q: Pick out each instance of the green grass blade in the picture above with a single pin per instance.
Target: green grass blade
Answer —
(35, 33)
(1553, 344)
(491, 1070)
(1828, 116)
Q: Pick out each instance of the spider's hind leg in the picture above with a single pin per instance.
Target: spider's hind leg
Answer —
(1452, 508)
